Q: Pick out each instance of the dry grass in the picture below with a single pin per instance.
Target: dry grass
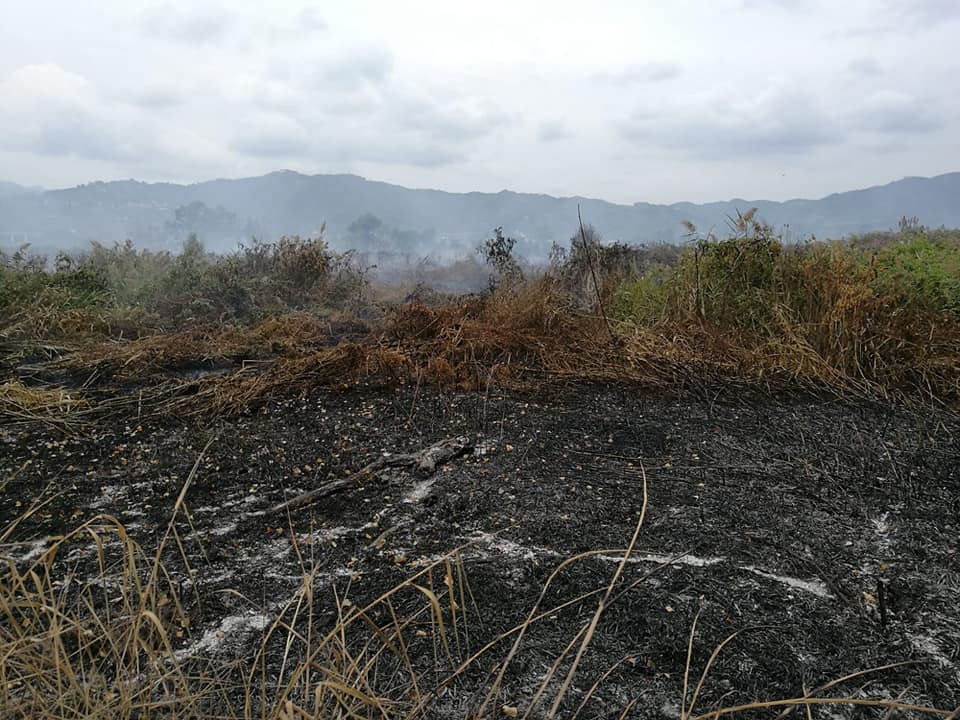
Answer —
(97, 645)
(526, 335)
(48, 405)
(733, 314)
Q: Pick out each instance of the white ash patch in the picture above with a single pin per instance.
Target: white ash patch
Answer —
(690, 560)
(206, 579)
(814, 586)
(25, 552)
(205, 510)
(419, 491)
(110, 495)
(928, 645)
(232, 630)
(335, 533)
(222, 530)
(508, 547)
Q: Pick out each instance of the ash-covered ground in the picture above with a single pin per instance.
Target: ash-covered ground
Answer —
(825, 531)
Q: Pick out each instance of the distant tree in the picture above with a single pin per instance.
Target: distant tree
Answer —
(367, 232)
(498, 253)
(200, 219)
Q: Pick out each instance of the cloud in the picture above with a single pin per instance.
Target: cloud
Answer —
(896, 113)
(790, 5)
(865, 67)
(192, 24)
(551, 131)
(309, 20)
(351, 105)
(51, 112)
(156, 97)
(774, 123)
(272, 135)
(783, 121)
(653, 72)
(899, 16)
(457, 120)
(356, 67)
(926, 12)
(47, 110)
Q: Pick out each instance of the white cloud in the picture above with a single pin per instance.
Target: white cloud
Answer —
(652, 72)
(272, 136)
(552, 131)
(669, 101)
(192, 23)
(47, 110)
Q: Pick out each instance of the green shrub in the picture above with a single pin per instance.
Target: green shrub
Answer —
(923, 273)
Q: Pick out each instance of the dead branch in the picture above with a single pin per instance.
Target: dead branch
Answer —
(423, 461)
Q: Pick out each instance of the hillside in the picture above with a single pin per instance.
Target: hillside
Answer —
(223, 212)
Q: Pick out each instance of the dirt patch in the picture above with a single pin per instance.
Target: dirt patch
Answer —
(823, 531)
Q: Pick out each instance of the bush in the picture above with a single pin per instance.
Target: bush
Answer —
(922, 273)
(825, 310)
(123, 291)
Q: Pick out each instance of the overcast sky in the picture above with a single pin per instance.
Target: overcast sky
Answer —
(655, 101)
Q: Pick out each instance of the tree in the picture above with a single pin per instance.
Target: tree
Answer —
(498, 253)
(367, 232)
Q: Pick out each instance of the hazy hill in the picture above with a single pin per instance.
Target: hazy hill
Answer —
(9, 189)
(223, 212)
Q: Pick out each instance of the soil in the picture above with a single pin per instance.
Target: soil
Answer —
(824, 531)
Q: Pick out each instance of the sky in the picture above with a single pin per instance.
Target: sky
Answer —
(688, 100)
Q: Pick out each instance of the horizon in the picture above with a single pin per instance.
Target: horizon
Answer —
(734, 198)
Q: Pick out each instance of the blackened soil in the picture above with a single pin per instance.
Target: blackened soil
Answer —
(826, 532)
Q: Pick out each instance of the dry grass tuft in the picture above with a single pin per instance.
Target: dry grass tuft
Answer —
(48, 405)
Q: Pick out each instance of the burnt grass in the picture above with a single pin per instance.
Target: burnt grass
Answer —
(825, 531)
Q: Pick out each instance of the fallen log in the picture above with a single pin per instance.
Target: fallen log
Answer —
(423, 461)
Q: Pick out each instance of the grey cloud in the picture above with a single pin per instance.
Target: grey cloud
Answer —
(155, 98)
(790, 5)
(79, 135)
(367, 144)
(552, 131)
(310, 20)
(926, 12)
(267, 144)
(784, 123)
(357, 67)
(305, 24)
(352, 107)
(866, 67)
(49, 111)
(654, 72)
(781, 124)
(898, 16)
(896, 114)
(393, 151)
(272, 136)
(193, 25)
(455, 122)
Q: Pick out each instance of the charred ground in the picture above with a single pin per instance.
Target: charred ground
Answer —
(824, 531)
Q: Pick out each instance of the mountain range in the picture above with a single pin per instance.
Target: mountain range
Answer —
(370, 214)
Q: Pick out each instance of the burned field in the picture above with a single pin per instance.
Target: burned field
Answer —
(823, 532)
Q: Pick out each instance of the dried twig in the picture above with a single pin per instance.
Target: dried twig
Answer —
(424, 461)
